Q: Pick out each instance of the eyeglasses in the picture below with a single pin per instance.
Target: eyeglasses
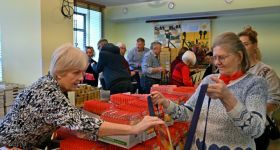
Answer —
(221, 58)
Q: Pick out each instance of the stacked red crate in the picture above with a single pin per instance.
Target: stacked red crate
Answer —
(81, 144)
(96, 106)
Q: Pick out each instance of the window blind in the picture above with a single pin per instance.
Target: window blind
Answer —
(89, 34)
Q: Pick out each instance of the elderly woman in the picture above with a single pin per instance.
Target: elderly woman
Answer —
(181, 73)
(249, 39)
(178, 59)
(43, 107)
(237, 109)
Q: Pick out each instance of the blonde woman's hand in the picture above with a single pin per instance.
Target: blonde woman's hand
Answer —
(159, 99)
(146, 123)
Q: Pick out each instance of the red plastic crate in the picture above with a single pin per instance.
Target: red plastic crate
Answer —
(97, 107)
(80, 144)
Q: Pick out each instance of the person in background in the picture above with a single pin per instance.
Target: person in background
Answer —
(237, 107)
(210, 69)
(43, 107)
(181, 72)
(177, 60)
(134, 58)
(91, 77)
(116, 75)
(151, 68)
(249, 39)
(122, 47)
(101, 44)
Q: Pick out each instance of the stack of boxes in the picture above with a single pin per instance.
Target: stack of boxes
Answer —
(2, 103)
(8, 93)
(83, 93)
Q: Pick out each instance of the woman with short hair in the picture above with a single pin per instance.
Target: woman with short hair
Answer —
(181, 73)
(43, 107)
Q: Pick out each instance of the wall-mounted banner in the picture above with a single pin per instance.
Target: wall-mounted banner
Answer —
(168, 34)
(195, 35)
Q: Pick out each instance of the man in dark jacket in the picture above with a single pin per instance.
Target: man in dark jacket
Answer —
(100, 44)
(116, 75)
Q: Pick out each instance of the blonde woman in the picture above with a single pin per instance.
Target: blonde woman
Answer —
(43, 107)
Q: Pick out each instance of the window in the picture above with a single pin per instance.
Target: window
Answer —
(80, 30)
(87, 28)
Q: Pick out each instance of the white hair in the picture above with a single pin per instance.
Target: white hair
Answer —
(189, 56)
(119, 44)
(67, 58)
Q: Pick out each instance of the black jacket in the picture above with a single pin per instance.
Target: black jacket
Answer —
(111, 62)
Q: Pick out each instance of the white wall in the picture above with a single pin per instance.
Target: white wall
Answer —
(20, 22)
(56, 29)
(122, 27)
(267, 26)
(31, 31)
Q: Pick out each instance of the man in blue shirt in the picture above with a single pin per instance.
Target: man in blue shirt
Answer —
(134, 58)
(151, 68)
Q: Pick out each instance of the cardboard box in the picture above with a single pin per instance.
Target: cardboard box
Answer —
(9, 97)
(124, 141)
(7, 109)
(2, 112)
(2, 98)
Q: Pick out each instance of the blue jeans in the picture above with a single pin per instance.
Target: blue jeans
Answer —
(147, 82)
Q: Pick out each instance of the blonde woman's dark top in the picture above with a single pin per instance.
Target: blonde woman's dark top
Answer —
(38, 111)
